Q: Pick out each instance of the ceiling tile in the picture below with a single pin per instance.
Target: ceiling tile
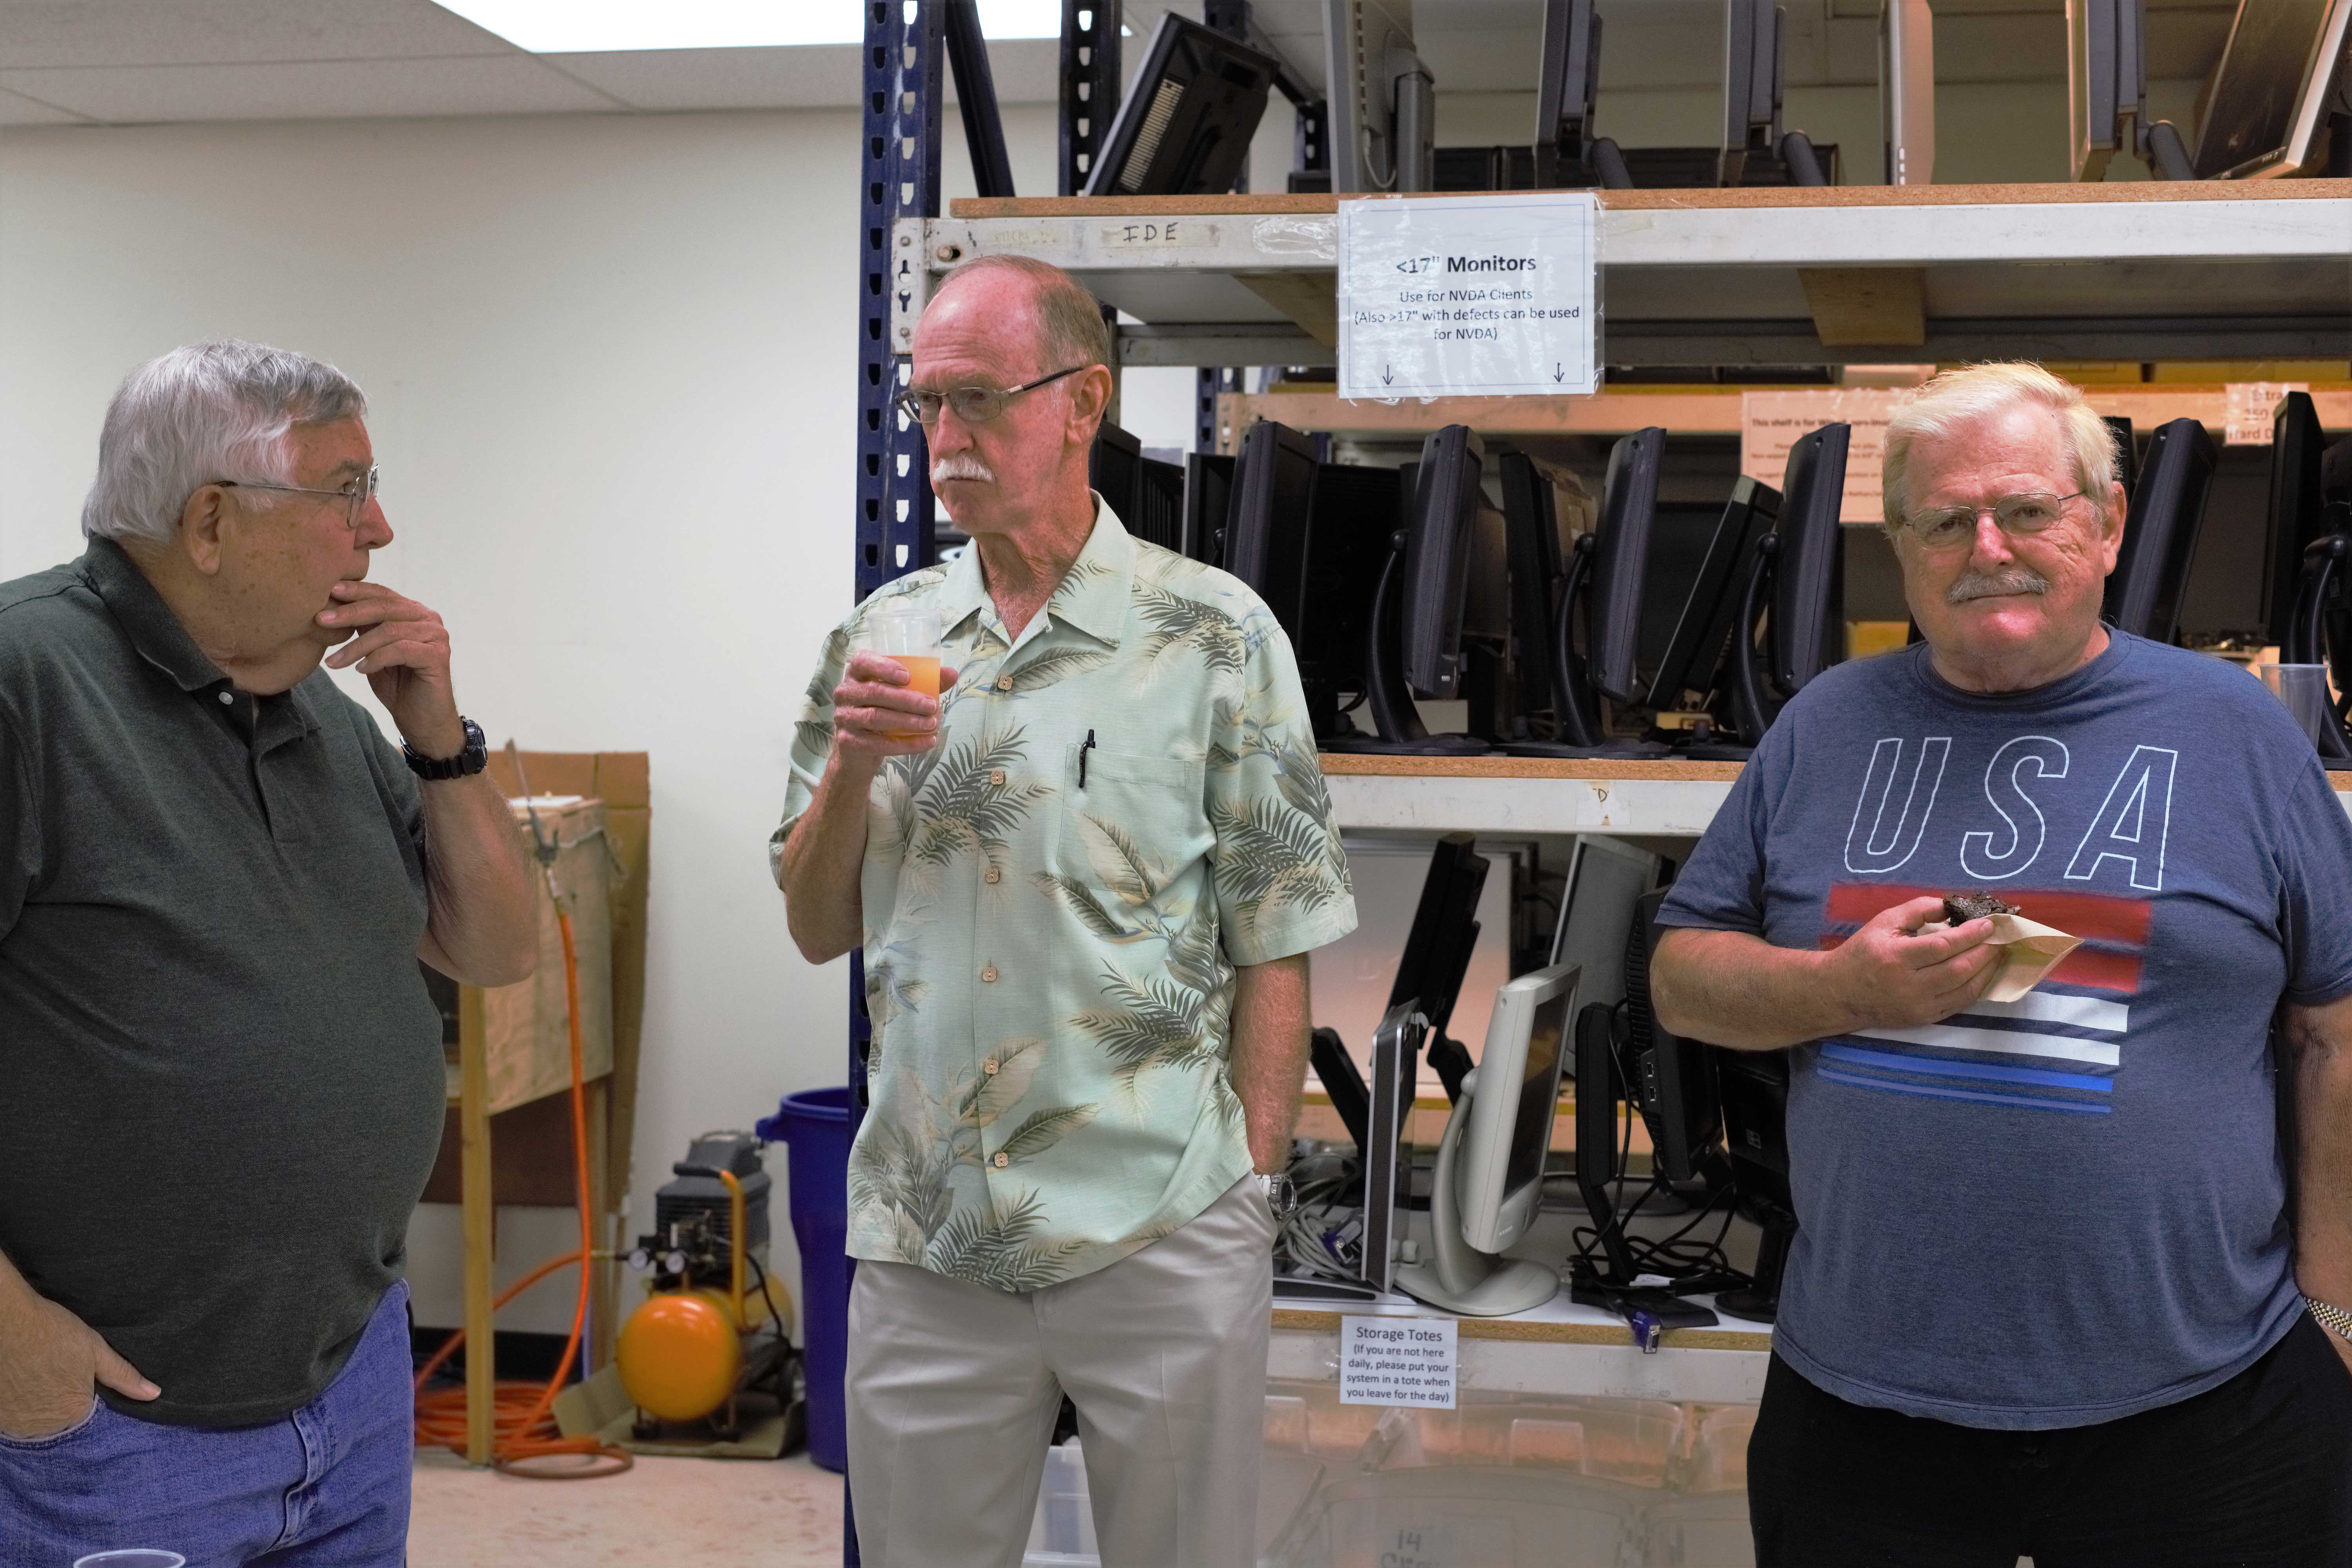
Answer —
(808, 75)
(512, 84)
(90, 33)
(18, 110)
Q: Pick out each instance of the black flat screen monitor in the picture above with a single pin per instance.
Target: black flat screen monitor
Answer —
(1437, 950)
(2262, 104)
(1569, 82)
(1208, 501)
(1673, 1079)
(1113, 464)
(1267, 528)
(1185, 127)
(1701, 631)
(1808, 625)
(2168, 506)
(1532, 539)
(1621, 553)
(2127, 452)
(1437, 561)
(1351, 520)
(2297, 513)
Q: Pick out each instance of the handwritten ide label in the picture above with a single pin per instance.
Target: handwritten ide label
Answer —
(1396, 1360)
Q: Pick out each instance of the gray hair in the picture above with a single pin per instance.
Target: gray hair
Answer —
(1962, 396)
(201, 413)
(1070, 325)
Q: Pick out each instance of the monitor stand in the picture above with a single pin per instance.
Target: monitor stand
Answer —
(1461, 1279)
(1759, 1302)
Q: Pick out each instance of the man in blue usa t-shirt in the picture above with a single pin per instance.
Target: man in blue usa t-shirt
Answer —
(2050, 1295)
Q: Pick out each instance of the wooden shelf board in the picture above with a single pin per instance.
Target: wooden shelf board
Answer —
(1306, 1319)
(1337, 763)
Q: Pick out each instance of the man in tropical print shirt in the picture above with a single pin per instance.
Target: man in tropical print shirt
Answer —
(1086, 880)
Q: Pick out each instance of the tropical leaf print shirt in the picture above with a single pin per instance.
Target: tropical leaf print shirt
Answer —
(1049, 964)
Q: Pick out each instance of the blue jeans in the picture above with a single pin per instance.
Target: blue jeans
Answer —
(326, 1486)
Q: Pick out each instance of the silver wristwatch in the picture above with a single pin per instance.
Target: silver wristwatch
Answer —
(2335, 1319)
(1281, 1198)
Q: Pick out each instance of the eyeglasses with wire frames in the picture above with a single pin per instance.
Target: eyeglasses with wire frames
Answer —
(973, 405)
(355, 494)
(2019, 516)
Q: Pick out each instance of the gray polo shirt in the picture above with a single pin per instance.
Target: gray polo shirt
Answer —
(222, 1074)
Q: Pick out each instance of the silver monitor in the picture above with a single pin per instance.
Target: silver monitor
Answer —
(1383, 130)
(1605, 878)
(2264, 101)
(1488, 1184)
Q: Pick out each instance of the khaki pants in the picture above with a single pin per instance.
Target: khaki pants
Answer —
(953, 1389)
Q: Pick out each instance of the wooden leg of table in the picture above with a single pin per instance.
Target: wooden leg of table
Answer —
(481, 1223)
(600, 1270)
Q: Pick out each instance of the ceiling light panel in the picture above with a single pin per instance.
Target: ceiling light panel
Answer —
(593, 26)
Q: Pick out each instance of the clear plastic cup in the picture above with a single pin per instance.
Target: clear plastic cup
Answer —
(133, 1557)
(912, 637)
(2304, 688)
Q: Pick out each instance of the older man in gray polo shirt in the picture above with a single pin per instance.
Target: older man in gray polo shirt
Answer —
(224, 1080)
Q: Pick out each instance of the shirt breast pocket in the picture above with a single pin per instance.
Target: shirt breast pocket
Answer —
(1135, 824)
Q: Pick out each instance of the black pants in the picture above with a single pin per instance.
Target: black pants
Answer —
(2256, 1473)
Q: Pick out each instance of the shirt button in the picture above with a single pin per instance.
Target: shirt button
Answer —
(996, 777)
(1003, 1160)
(989, 1066)
(993, 875)
(227, 697)
(988, 975)
(1004, 683)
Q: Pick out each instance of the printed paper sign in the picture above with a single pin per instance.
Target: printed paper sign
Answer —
(1772, 422)
(2247, 407)
(1468, 297)
(1396, 1360)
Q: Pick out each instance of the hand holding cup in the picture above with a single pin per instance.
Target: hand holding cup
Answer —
(887, 704)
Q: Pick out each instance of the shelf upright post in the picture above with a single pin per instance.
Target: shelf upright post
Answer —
(1090, 84)
(1232, 19)
(898, 178)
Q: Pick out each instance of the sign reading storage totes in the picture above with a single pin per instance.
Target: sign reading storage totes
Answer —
(525, 1025)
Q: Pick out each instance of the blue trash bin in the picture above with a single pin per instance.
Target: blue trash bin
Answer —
(815, 1123)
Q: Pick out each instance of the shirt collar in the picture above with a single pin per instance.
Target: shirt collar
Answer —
(145, 620)
(1092, 595)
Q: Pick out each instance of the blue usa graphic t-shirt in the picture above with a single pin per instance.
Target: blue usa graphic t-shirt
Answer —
(2068, 1208)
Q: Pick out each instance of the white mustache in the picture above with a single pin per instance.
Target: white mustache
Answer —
(1985, 585)
(961, 465)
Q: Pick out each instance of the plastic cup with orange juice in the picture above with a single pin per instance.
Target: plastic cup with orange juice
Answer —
(911, 636)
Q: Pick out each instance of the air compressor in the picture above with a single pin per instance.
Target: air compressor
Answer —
(713, 1326)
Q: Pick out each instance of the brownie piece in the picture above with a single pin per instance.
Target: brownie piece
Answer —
(1959, 906)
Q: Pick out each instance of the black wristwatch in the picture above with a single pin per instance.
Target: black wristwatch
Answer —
(472, 758)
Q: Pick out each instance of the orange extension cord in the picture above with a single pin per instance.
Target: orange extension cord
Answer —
(522, 1422)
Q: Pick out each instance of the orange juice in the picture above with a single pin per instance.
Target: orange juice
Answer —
(923, 676)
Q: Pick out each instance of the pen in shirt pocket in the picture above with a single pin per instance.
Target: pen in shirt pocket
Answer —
(1087, 745)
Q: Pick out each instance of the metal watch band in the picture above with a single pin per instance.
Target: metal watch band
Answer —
(2335, 1319)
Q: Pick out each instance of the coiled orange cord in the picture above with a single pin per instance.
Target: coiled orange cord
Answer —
(523, 1423)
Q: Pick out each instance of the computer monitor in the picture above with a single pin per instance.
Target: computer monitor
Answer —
(1754, 1089)
(1602, 591)
(1383, 101)
(2263, 102)
(1208, 500)
(1673, 1077)
(1487, 1187)
(1413, 639)
(1113, 464)
(1351, 521)
(1606, 879)
(1568, 83)
(1147, 493)
(2127, 452)
(1184, 127)
(1531, 548)
(1266, 529)
(2168, 506)
(2297, 513)
(1437, 948)
(1751, 84)
(1693, 665)
(1799, 574)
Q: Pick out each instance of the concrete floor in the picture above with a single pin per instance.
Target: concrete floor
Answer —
(781, 1514)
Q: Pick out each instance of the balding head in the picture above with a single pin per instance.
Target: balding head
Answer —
(1063, 322)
